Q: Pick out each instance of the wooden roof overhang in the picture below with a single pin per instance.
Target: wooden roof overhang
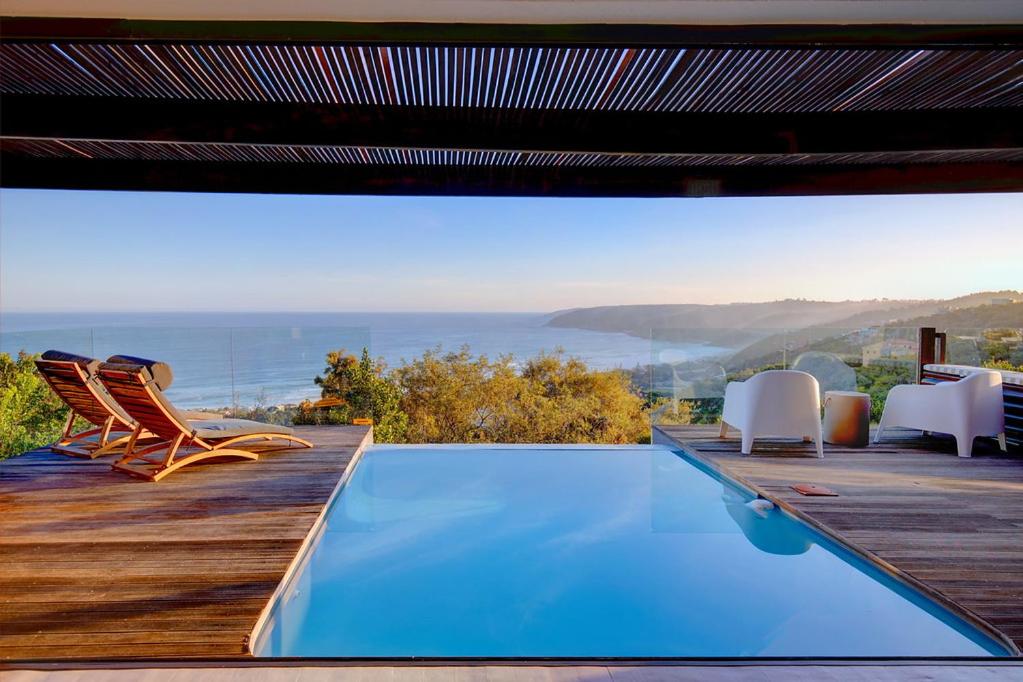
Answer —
(499, 109)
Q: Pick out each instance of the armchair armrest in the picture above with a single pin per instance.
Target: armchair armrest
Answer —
(735, 403)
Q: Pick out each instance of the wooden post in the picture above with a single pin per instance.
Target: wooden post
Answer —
(942, 338)
(925, 350)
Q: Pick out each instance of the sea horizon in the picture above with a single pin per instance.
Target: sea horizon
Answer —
(224, 359)
(26, 320)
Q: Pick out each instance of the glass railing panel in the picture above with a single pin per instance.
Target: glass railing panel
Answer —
(15, 338)
(200, 358)
(274, 368)
(258, 372)
(689, 369)
(253, 372)
(887, 358)
(994, 347)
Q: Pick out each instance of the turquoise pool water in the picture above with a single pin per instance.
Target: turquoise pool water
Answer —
(584, 551)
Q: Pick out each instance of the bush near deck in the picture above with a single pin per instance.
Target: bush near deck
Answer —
(456, 397)
(30, 414)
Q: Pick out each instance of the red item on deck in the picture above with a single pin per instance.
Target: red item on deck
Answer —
(813, 489)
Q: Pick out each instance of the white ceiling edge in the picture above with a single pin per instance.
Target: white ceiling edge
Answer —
(696, 12)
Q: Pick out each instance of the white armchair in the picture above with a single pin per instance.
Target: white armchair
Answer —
(968, 408)
(781, 403)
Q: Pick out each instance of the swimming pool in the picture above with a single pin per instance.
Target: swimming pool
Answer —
(584, 552)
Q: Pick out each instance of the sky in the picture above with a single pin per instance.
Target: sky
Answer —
(128, 251)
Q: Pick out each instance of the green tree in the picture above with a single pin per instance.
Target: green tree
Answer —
(30, 414)
(458, 398)
(1001, 349)
(570, 403)
(364, 391)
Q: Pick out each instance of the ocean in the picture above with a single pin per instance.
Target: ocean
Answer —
(222, 359)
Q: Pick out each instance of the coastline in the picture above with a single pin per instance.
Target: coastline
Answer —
(272, 358)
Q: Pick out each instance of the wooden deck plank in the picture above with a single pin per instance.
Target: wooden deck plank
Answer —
(99, 564)
(954, 524)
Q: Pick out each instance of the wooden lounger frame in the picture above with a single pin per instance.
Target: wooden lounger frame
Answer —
(72, 384)
(180, 446)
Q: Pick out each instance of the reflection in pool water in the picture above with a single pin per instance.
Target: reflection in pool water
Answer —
(767, 531)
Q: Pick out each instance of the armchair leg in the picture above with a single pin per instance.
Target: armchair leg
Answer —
(964, 444)
(747, 444)
(1001, 442)
(724, 429)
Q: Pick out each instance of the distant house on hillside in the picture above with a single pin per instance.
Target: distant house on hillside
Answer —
(1012, 337)
(1003, 301)
(888, 350)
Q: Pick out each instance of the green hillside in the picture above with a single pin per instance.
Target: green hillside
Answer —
(738, 324)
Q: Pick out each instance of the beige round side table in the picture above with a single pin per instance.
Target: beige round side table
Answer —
(847, 418)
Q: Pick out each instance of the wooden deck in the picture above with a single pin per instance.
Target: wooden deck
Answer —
(98, 564)
(955, 525)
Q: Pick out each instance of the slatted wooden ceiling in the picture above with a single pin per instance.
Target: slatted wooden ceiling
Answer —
(359, 104)
(630, 79)
(396, 156)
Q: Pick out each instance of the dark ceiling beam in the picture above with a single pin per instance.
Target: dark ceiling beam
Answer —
(811, 36)
(296, 178)
(106, 118)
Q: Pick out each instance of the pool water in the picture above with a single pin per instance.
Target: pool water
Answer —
(585, 551)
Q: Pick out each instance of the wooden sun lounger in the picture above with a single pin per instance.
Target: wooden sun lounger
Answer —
(183, 442)
(73, 379)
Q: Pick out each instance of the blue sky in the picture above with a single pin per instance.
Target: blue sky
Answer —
(118, 251)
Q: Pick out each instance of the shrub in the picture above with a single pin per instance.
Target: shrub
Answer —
(30, 414)
(571, 403)
(1004, 365)
(667, 411)
(456, 398)
(262, 411)
(364, 391)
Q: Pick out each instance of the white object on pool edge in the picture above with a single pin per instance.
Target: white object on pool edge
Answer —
(760, 506)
